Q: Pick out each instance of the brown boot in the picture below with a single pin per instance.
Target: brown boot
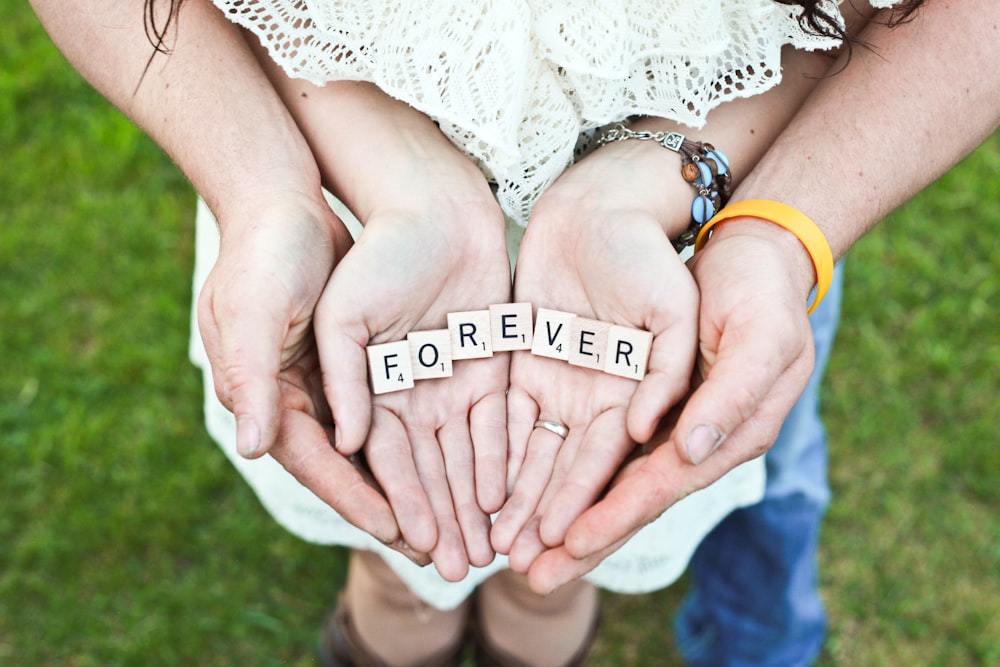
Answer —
(395, 627)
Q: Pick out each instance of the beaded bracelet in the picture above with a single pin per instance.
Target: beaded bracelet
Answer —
(798, 223)
(704, 166)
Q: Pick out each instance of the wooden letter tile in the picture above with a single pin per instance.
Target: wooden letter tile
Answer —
(470, 335)
(389, 367)
(430, 354)
(510, 324)
(628, 351)
(588, 343)
(551, 338)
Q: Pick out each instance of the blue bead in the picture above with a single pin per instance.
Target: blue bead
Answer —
(702, 209)
(705, 179)
(720, 159)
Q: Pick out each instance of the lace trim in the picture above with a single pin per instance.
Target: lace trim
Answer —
(519, 85)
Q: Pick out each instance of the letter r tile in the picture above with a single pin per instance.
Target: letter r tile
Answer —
(470, 335)
(551, 337)
(511, 326)
(628, 351)
(389, 367)
(588, 343)
(430, 354)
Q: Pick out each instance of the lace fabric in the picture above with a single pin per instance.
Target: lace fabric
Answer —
(516, 83)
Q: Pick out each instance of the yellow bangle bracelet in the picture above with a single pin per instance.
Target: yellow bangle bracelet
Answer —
(793, 220)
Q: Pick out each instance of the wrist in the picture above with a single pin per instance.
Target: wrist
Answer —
(796, 260)
(303, 218)
(699, 166)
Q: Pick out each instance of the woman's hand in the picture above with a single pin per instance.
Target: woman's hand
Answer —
(597, 247)
(433, 244)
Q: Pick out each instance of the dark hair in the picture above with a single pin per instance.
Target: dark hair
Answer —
(818, 22)
(814, 19)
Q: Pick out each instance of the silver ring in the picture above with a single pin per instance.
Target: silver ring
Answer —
(553, 427)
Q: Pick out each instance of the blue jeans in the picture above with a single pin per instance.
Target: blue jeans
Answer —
(754, 598)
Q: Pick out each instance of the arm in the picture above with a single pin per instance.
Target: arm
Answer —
(433, 243)
(599, 246)
(889, 116)
(210, 107)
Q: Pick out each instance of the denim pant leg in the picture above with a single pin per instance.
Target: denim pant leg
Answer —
(754, 598)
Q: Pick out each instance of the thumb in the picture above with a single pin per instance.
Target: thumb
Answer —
(756, 364)
(244, 340)
(344, 361)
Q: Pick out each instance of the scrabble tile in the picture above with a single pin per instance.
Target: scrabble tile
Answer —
(588, 343)
(430, 354)
(628, 351)
(389, 367)
(510, 326)
(551, 337)
(470, 335)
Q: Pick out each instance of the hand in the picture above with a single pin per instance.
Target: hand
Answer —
(255, 314)
(596, 247)
(433, 243)
(755, 358)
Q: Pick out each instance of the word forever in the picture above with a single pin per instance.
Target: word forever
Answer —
(508, 327)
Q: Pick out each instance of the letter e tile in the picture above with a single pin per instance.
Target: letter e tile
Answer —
(389, 367)
(511, 326)
(588, 343)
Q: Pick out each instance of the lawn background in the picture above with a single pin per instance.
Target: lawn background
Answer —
(127, 539)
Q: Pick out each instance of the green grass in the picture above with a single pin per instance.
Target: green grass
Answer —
(127, 539)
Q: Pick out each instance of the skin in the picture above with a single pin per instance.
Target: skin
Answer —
(433, 243)
(881, 115)
(598, 246)
(256, 309)
(744, 295)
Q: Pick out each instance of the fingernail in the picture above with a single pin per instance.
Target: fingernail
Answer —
(247, 436)
(702, 441)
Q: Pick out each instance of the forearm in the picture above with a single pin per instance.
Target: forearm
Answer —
(896, 118)
(207, 104)
(645, 178)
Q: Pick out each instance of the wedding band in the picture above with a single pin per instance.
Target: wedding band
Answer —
(553, 427)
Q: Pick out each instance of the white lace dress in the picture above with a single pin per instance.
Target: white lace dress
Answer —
(518, 85)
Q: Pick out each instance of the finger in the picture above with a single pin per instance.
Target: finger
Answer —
(651, 484)
(543, 446)
(667, 380)
(391, 460)
(556, 567)
(344, 362)
(456, 446)
(361, 465)
(522, 413)
(449, 553)
(303, 449)
(604, 448)
(660, 480)
(526, 547)
(488, 423)
(244, 339)
(751, 360)
(528, 544)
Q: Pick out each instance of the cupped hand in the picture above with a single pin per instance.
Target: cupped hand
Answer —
(755, 358)
(255, 313)
(433, 244)
(597, 247)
